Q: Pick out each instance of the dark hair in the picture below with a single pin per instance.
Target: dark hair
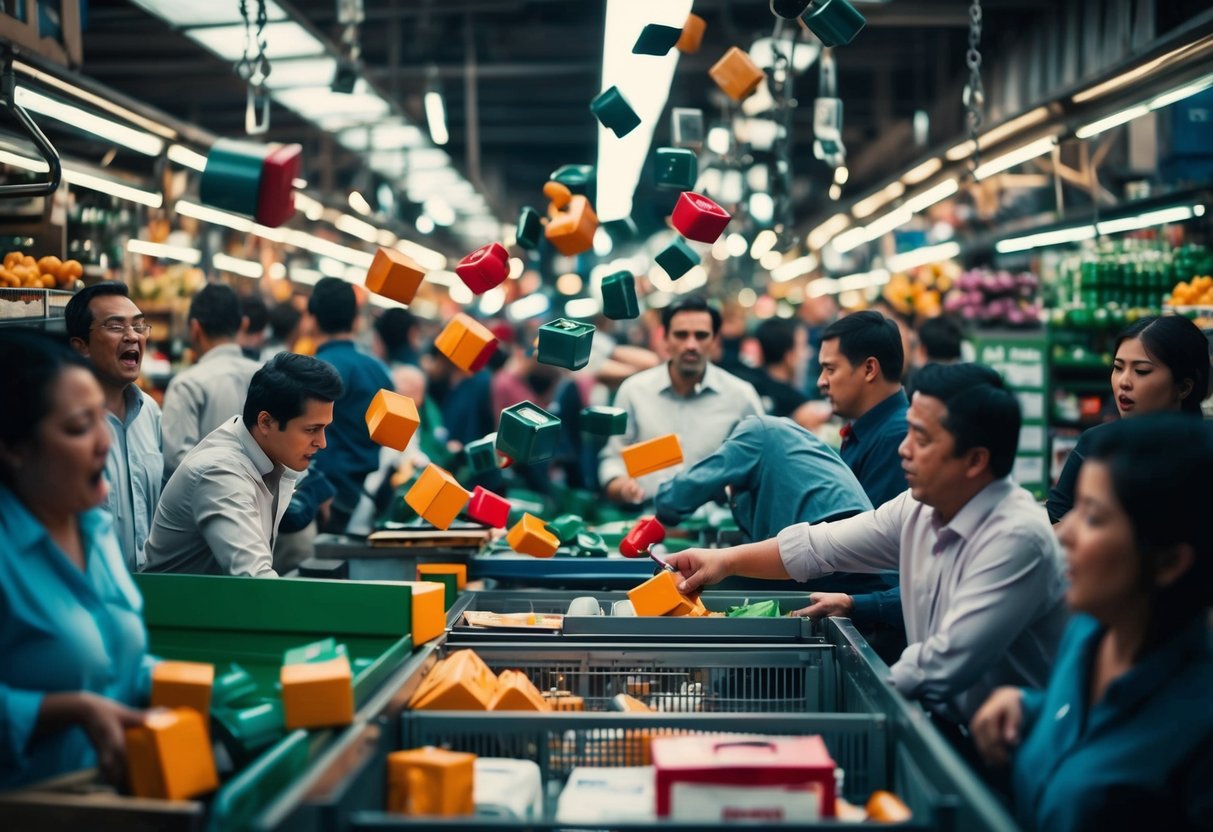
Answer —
(334, 305)
(34, 360)
(394, 327)
(283, 385)
(258, 314)
(283, 319)
(78, 316)
(690, 303)
(982, 412)
(776, 337)
(1159, 464)
(941, 338)
(864, 335)
(216, 308)
(1181, 346)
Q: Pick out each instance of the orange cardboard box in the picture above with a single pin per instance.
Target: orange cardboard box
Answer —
(431, 781)
(692, 35)
(571, 231)
(429, 610)
(646, 457)
(183, 685)
(317, 694)
(467, 342)
(516, 692)
(460, 682)
(736, 74)
(659, 595)
(459, 570)
(437, 496)
(392, 419)
(531, 537)
(169, 756)
(393, 275)
(564, 701)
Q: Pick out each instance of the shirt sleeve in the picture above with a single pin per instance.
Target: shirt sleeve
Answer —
(732, 464)
(868, 542)
(1061, 495)
(1032, 702)
(181, 423)
(753, 403)
(18, 718)
(610, 461)
(878, 608)
(230, 522)
(999, 593)
(313, 490)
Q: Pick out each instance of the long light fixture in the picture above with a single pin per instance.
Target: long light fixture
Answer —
(1029, 151)
(578, 308)
(182, 254)
(1073, 234)
(821, 235)
(920, 172)
(357, 228)
(528, 307)
(186, 157)
(75, 176)
(214, 216)
(1179, 94)
(435, 117)
(922, 256)
(100, 102)
(871, 204)
(1143, 71)
(16, 160)
(137, 140)
(1179, 213)
(863, 280)
(237, 265)
(996, 134)
(932, 195)
(794, 268)
(763, 243)
(1108, 122)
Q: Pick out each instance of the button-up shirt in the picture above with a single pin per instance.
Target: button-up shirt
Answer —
(133, 470)
(1141, 757)
(982, 594)
(221, 508)
(870, 446)
(63, 629)
(702, 420)
(201, 398)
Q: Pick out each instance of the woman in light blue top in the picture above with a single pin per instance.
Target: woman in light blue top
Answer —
(1123, 736)
(71, 630)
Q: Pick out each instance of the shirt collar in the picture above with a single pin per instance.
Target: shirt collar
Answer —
(133, 397)
(973, 513)
(231, 350)
(262, 462)
(878, 414)
(710, 380)
(25, 531)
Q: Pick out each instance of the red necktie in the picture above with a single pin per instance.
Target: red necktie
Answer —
(847, 434)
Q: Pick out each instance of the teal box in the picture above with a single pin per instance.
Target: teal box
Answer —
(231, 686)
(482, 454)
(601, 420)
(527, 433)
(619, 301)
(589, 545)
(245, 728)
(577, 178)
(530, 228)
(566, 527)
(835, 22)
(318, 651)
(231, 179)
(676, 168)
(565, 343)
(656, 39)
(614, 112)
(677, 258)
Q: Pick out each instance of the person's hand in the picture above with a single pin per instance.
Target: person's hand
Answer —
(827, 605)
(699, 568)
(629, 491)
(995, 726)
(323, 511)
(105, 722)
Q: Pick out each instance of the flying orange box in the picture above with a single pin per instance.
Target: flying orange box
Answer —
(169, 756)
(437, 496)
(736, 74)
(394, 275)
(392, 419)
(646, 457)
(531, 537)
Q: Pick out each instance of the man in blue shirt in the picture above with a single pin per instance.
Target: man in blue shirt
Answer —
(351, 453)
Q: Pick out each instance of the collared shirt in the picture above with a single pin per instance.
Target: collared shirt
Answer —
(778, 473)
(62, 629)
(201, 398)
(1141, 757)
(351, 453)
(702, 420)
(134, 469)
(871, 448)
(982, 595)
(221, 508)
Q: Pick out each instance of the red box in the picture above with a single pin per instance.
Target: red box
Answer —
(698, 218)
(647, 532)
(276, 195)
(743, 777)
(486, 507)
(484, 268)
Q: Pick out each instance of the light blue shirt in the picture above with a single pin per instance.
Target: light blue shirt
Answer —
(61, 630)
(134, 469)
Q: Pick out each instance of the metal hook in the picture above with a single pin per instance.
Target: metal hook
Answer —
(257, 100)
(8, 87)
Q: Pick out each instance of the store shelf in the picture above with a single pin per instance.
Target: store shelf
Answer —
(32, 306)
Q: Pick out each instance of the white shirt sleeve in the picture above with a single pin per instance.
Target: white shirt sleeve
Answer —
(182, 421)
(868, 542)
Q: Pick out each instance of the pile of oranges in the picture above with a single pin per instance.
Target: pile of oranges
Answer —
(21, 271)
(1197, 292)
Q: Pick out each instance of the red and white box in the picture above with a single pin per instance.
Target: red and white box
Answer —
(743, 778)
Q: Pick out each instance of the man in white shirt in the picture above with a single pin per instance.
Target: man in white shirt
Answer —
(220, 510)
(688, 396)
(204, 396)
(981, 571)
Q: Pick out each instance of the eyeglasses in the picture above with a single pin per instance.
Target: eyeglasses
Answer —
(116, 328)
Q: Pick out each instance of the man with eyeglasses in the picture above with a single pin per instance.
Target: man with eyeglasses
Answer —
(106, 327)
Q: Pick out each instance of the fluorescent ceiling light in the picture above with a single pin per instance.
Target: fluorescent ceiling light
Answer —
(357, 228)
(736, 245)
(283, 39)
(923, 256)
(427, 159)
(1018, 156)
(821, 235)
(1107, 123)
(235, 265)
(794, 268)
(1046, 238)
(321, 103)
(644, 82)
(579, 308)
(1134, 74)
(327, 248)
(186, 157)
(274, 235)
(528, 307)
(771, 260)
(493, 301)
(841, 175)
(1179, 213)
(920, 172)
(18, 161)
(439, 210)
(890, 221)
(435, 117)
(73, 116)
(301, 72)
(358, 203)
(997, 134)
(100, 102)
(695, 278)
(184, 13)
(719, 139)
(764, 242)
(83, 179)
(863, 280)
(822, 286)
(382, 137)
(1169, 98)
(427, 258)
(214, 216)
(308, 277)
(182, 254)
(870, 204)
(311, 208)
(848, 240)
(930, 196)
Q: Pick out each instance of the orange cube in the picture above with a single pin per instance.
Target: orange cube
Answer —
(184, 685)
(516, 692)
(692, 35)
(467, 342)
(317, 694)
(646, 457)
(531, 537)
(459, 570)
(659, 595)
(393, 275)
(392, 419)
(460, 682)
(431, 781)
(437, 496)
(169, 756)
(429, 610)
(563, 701)
(571, 230)
(736, 74)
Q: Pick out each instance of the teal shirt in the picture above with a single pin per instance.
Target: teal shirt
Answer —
(1142, 758)
(62, 630)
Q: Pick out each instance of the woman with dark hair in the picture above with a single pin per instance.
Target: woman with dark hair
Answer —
(1123, 736)
(71, 629)
(1161, 364)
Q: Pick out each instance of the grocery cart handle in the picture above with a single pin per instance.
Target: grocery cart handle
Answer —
(8, 89)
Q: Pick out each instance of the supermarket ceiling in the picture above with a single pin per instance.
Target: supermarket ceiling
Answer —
(517, 77)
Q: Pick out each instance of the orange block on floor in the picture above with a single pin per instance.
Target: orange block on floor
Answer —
(431, 781)
(530, 536)
(169, 756)
(392, 419)
(429, 610)
(467, 342)
(317, 694)
(736, 74)
(459, 570)
(394, 275)
(516, 692)
(460, 682)
(563, 701)
(659, 595)
(653, 455)
(692, 35)
(183, 685)
(571, 229)
(437, 496)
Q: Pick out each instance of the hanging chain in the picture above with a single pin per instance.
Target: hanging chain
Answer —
(254, 68)
(974, 93)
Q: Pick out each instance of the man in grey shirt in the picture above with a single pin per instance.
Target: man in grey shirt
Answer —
(220, 510)
(981, 571)
(688, 396)
(204, 396)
